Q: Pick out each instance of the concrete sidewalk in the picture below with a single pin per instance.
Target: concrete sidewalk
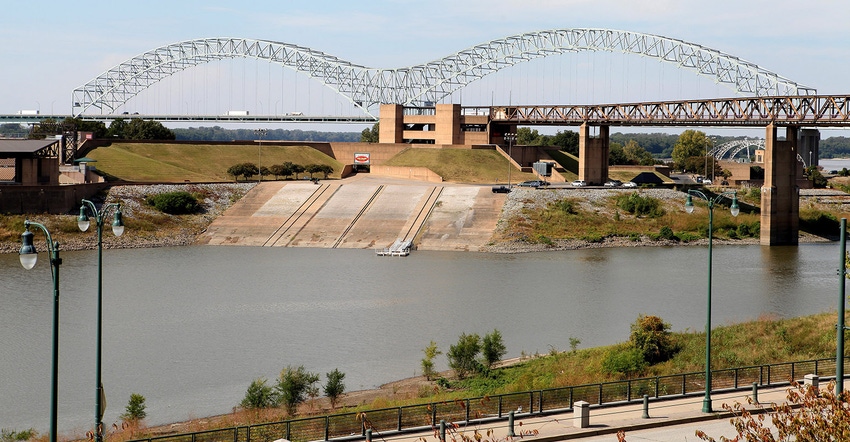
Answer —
(685, 415)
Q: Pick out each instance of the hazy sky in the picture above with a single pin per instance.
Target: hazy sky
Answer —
(50, 47)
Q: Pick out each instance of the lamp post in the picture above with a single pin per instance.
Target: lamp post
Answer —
(117, 229)
(734, 209)
(839, 346)
(260, 133)
(510, 137)
(29, 256)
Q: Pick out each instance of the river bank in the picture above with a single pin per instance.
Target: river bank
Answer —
(146, 227)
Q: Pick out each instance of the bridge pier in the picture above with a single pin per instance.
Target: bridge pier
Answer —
(593, 154)
(780, 196)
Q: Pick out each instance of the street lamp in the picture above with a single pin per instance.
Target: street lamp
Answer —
(260, 134)
(117, 229)
(734, 209)
(510, 137)
(28, 257)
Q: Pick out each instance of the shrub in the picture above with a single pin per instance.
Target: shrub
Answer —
(568, 207)
(651, 336)
(259, 395)
(16, 436)
(667, 233)
(174, 203)
(624, 360)
(639, 205)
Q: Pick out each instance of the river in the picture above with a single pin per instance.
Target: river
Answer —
(189, 328)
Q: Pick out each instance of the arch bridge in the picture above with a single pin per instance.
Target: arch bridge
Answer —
(428, 83)
(775, 101)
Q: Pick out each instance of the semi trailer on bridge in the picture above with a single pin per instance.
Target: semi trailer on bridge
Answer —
(237, 113)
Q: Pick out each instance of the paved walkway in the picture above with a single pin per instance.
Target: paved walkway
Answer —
(669, 420)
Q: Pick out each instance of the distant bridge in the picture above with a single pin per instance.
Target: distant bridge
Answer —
(423, 84)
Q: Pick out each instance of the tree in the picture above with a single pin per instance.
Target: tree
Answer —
(462, 356)
(818, 180)
(493, 348)
(637, 155)
(334, 388)
(691, 143)
(616, 154)
(431, 352)
(313, 168)
(296, 169)
(139, 129)
(135, 410)
(809, 414)
(566, 141)
(293, 385)
(236, 170)
(370, 136)
(248, 170)
(259, 395)
(326, 170)
(117, 128)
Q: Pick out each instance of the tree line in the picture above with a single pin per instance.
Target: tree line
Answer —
(119, 128)
(287, 169)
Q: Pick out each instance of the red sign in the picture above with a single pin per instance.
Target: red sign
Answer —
(361, 158)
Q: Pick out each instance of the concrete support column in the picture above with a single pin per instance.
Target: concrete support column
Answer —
(448, 124)
(593, 155)
(780, 196)
(391, 129)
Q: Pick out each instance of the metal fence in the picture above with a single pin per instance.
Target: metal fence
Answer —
(347, 426)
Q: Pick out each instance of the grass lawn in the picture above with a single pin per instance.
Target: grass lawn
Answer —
(177, 163)
(477, 166)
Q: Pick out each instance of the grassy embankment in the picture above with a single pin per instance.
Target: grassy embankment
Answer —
(177, 163)
(756, 342)
(475, 166)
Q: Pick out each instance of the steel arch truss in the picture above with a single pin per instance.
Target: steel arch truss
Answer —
(425, 84)
(732, 148)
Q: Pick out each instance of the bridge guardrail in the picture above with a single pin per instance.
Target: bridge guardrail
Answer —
(353, 425)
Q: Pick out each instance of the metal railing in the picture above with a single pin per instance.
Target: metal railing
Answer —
(353, 425)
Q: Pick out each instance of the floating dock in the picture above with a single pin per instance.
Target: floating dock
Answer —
(398, 248)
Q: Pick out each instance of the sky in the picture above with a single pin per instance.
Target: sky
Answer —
(51, 47)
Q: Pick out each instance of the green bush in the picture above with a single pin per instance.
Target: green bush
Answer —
(174, 203)
(624, 360)
(667, 233)
(639, 205)
(651, 336)
(259, 395)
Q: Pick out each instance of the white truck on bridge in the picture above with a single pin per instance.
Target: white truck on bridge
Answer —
(237, 113)
(28, 112)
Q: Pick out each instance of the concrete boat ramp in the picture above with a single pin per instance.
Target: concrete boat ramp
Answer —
(363, 212)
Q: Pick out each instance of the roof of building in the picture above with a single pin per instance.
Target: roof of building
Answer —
(24, 146)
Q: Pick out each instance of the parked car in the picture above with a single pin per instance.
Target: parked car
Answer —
(501, 189)
(706, 182)
(613, 183)
(534, 183)
(630, 184)
(578, 183)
